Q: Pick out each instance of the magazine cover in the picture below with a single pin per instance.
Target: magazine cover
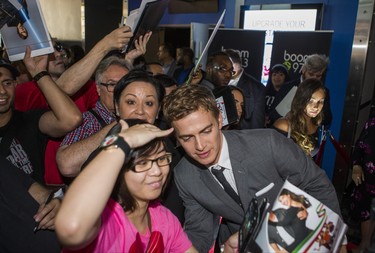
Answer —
(22, 24)
(297, 222)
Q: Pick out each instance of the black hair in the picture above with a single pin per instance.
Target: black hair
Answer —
(165, 80)
(168, 47)
(298, 198)
(120, 191)
(231, 88)
(278, 68)
(188, 52)
(212, 57)
(136, 75)
(77, 52)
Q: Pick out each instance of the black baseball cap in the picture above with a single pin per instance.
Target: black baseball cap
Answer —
(4, 63)
(280, 67)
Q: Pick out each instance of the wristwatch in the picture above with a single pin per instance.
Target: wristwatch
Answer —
(115, 141)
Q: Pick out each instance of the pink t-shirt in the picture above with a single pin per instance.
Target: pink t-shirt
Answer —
(118, 234)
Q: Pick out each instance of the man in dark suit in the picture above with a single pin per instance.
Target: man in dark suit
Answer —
(250, 161)
(220, 71)
(253, 90)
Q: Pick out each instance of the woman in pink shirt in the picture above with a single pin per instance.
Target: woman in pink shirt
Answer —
(112, 206)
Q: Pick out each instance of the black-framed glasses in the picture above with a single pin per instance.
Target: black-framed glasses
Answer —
(224, 70)
(146, 164)
(109, 86)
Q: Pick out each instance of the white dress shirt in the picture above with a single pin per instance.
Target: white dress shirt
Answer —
(224, 162)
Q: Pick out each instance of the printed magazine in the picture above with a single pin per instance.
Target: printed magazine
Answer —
(297, 222)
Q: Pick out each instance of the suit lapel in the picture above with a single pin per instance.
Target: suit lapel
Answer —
(241, 174)
(219, 192)
(242, 178)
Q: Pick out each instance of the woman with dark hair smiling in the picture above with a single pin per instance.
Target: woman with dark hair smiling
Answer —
(133, 220)
(306, 115)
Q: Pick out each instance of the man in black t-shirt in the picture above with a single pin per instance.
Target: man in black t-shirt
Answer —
(23, 136)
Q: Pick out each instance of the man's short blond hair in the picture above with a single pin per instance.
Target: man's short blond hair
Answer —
(188, 99)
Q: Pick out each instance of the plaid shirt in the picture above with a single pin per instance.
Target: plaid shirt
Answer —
(90, 124)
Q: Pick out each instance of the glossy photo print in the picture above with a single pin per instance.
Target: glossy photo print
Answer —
(22, 24)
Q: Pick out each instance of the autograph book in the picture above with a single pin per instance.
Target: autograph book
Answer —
(297, 222)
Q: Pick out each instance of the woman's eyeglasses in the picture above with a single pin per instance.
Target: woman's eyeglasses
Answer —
(146, 164)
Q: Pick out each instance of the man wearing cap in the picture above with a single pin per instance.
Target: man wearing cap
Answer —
(23, 135)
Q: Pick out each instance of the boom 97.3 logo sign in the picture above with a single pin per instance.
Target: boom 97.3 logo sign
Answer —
(294, 62)
(292, 48)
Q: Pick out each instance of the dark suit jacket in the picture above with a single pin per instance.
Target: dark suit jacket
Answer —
(258, 157)
(255, 103)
